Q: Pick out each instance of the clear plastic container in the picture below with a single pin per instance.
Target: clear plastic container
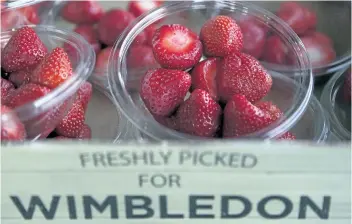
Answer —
(333, 20)
(291, 92)
(41, 116)
(338, 110)
(15, 14)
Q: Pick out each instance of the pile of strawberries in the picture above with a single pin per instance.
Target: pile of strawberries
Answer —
(226, 88)
(29, 72)
(101, 29)
(271, 48)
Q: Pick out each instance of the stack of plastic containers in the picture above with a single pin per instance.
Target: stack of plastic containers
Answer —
(117, 111)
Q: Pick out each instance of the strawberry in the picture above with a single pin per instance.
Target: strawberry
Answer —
(141, 56)
(347, 87)
(310, 18)
(12, 128)
(295, 16)
(275, 51)
(79, 12)
(84, 94)
(320, 38)
(176, 47)
(287, 136)
(149, 33)
(162, 90)
(254, 36)
(31, 14)
(101, 64)
(90, 34)
(53, 70)
(20, 77)
(204, 76)
(241, 117)
(271, 108)
(61, 137)
(318, 51)
(140, 7)
(26, 94)
(11, 19)
(240, 73)
(109, 29)
(72, 124)
(221, 36)
(6, 87)
(199, 115)
(140, 39)
(85, 133)
(170, 122)
(24, 50)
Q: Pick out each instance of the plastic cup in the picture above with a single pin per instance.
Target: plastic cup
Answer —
(41, 116)
(337, 107)
(290, 92)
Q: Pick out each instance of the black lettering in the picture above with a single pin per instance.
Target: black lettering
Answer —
(34, 202)
(71, 205)
(153, 160)
(89, 202)
(220, 159)
(322, 213)
(233, 160)
(288, 206)
(143, 156)
(194, 206)
(202, 160)
(184, 156)
(249, 161)
(164, 214)
(131, 207)
(125, 158)
(84, 158)
(165, 156)
(99, 159)
(175, 180)
(225, 211)
(111, 158)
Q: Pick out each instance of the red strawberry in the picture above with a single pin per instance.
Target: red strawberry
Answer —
(320, 38)
(271, 108)
(275, 51)
(31, 14)
(90, 34)
(176, 47)
(240, 73)
(254, 36)
(24, 50)
(12, 128)
(12, 19)
(319, 52)
(84, 94)
(241, 117)
(140, 39)
(102, 60)
(199, 115)
(162, 90)
(287, 136)
(170, 122)
(221, 36)
(140, 7)
(86, 132)
(141, 56)
(112, 24)
(79, 12)
(6, 87)
(310, 18)
(295, 16)
(149, 32)
(25, 94)
(53, 70)
(204, 76)
(20, 77)
(72, 124)
(347, 87)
